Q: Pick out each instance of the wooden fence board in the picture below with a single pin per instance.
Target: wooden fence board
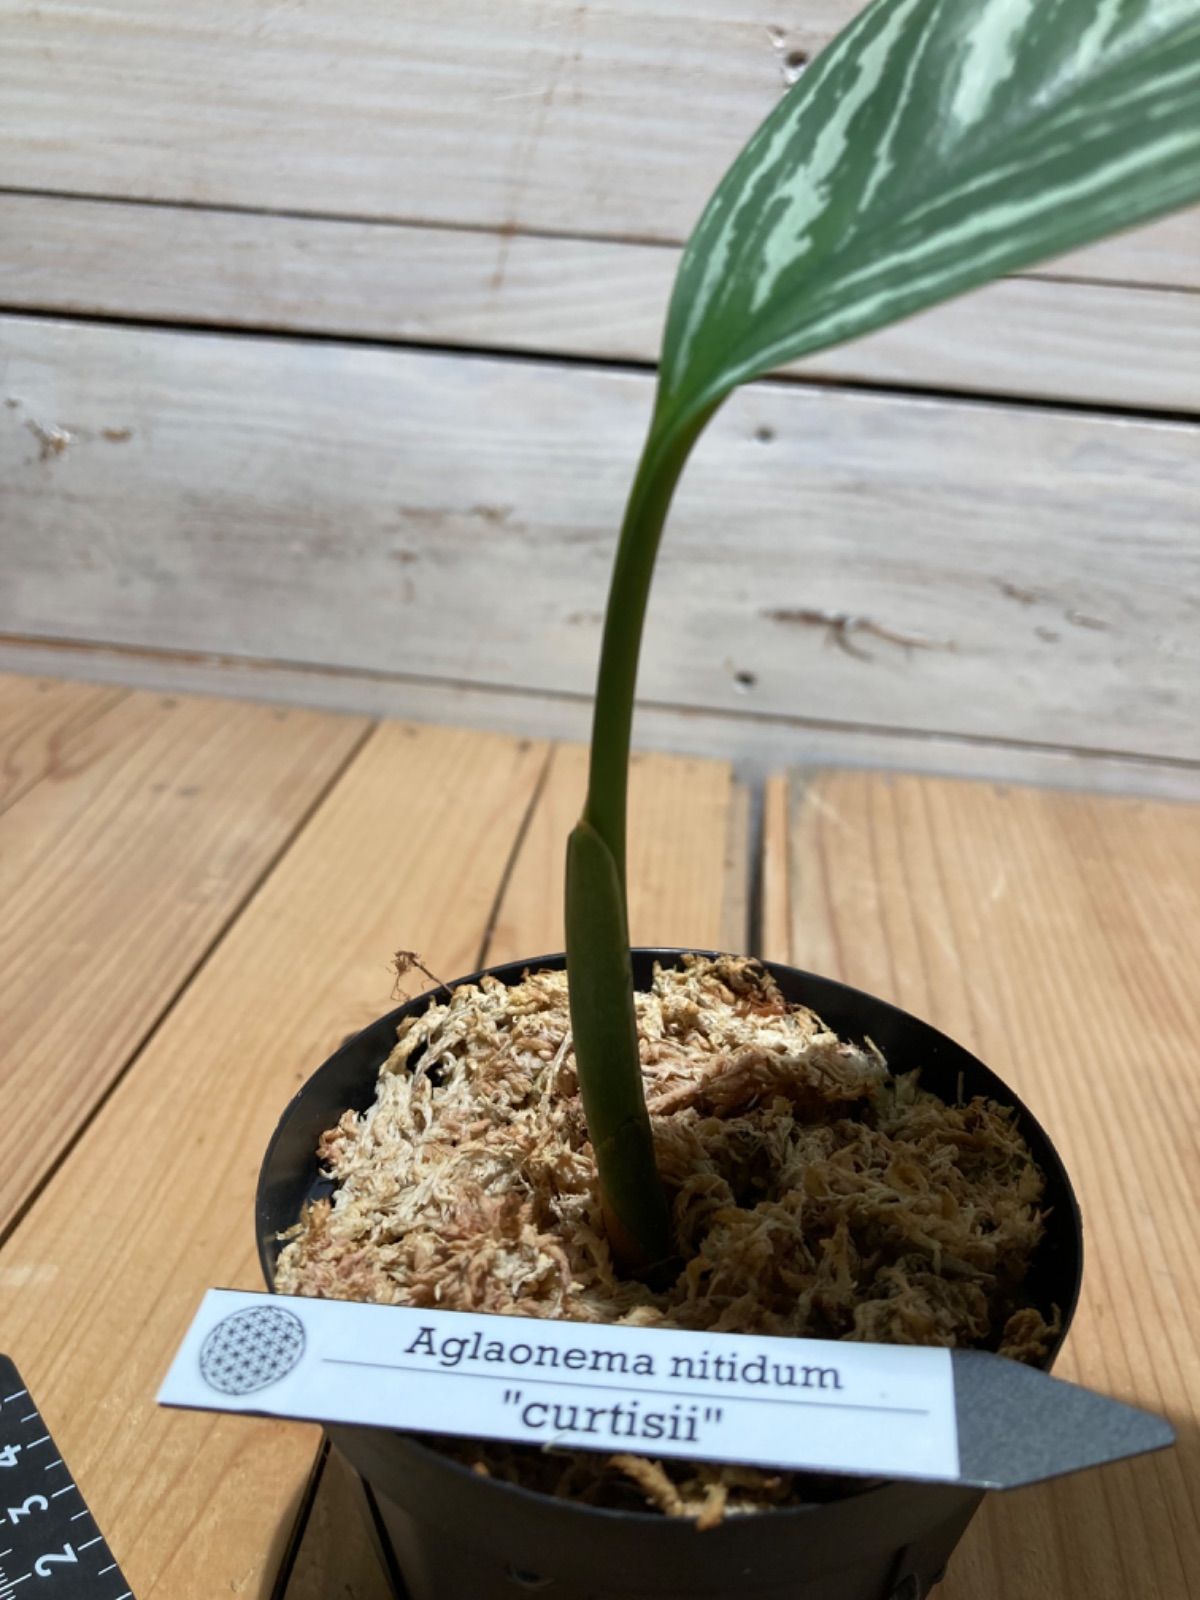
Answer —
(611, 120)
(1107, 343)
(933, 567)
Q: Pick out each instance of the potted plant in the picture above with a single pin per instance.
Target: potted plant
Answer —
(489, 1145)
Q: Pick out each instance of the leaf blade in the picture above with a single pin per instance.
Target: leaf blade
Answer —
(932, 147)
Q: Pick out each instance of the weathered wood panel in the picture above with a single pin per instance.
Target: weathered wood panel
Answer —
(944, 568)
(609, 121)
(1050, 933)
(156, 1203)
(118, 871)
(591, 297)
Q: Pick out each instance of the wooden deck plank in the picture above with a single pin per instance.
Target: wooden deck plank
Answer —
(1114, 344)
(39, 720)
(611, 120)
(734, 929)
(679, 887)
(1049, 932)
(155, 1204)
(688, 848)
(775, 935)
(937, 567)
(117, 873)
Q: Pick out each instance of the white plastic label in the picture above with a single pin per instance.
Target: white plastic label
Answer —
(879, 1410)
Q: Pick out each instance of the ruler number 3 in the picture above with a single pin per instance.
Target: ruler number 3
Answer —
(43, 1564)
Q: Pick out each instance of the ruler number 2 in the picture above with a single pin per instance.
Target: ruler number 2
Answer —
(43, 1564)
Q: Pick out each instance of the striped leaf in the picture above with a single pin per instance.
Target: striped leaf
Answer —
(933, 146)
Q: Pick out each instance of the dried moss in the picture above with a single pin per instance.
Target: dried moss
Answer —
(814, 1194)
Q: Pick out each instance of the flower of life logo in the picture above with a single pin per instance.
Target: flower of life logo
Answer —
(250, 1349)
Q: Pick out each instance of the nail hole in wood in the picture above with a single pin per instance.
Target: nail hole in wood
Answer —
(794, 64)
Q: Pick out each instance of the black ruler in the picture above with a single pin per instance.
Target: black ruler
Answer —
(50, 1546)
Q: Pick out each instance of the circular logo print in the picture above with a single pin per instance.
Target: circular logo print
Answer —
(249, 1349)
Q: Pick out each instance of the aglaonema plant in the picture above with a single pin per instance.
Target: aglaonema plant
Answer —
(933, 146)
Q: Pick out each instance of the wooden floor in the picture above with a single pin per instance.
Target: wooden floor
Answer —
(198, 900)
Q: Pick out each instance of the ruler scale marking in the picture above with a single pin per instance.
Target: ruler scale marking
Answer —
(39, 1521)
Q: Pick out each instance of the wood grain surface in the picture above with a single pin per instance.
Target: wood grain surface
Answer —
(680, 815)
(610, 121)
(39, 720)
(1049, 931)
(155, 1204)
(932, 566)
(1117, 344)
(1054, 935)
(118, 870)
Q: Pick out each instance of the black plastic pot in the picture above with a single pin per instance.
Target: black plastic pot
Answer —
(457, 1536)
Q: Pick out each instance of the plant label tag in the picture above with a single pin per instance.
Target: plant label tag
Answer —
(816, 1405)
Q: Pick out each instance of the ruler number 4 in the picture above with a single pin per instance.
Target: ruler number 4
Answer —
(43, 1564)
(8, 1455)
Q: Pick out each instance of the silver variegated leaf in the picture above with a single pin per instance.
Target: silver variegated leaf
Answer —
(933, 146)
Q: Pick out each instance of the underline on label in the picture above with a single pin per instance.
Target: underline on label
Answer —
(631, 1388)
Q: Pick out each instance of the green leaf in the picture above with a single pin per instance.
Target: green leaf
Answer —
(933, 146)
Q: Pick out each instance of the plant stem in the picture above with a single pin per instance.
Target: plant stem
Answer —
(661, 464)
(599, 973)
